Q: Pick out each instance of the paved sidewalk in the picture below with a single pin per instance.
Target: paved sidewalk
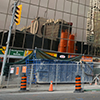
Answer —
(40, 88)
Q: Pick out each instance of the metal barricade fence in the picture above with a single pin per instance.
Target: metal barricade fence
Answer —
(15, 74)
(45, 73)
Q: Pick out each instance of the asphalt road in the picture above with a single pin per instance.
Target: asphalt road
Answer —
(50, 96)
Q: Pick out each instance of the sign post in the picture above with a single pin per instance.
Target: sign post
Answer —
(8, 40)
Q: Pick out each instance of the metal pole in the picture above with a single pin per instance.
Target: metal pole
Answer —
(8, 40)
(56, 76)
(8, 77)
(83, 66)
(31, 76)
(77, 68)
(19, 76)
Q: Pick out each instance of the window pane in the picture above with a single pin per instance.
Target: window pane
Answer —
(24, 9)
(74, 8)
(44, 3)
(2, 21)
(81, 10)
(60, 5)
(52, 4)
(35, 2)
(50, 14)
(67, 6)
(3, 5)
(33, 11)
(18, 39)
(28, 41)
(5, 39)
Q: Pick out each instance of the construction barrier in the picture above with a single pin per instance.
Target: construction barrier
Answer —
(44, 72)
(78, 84)
(15, 75)
(23, 82)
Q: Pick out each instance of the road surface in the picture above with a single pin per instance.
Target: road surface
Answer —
(50, 96)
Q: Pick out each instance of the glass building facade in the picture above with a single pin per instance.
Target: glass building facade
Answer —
(70, 26)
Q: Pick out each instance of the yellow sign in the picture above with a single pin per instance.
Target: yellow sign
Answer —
(51, 54)
(27, 52)
(2, 50)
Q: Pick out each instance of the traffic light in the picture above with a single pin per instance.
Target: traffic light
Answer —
(18, 14)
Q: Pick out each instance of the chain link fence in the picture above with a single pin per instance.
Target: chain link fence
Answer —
(45, 73)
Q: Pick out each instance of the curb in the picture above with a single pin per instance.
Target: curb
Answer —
(86, 90)
(35, 91)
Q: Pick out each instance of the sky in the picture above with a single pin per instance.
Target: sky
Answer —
(31, 13)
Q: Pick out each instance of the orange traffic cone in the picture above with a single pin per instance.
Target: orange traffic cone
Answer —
(96, 82)
(51, 86)
(90, 83)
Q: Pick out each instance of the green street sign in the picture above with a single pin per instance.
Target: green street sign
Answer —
(16, 52)
(12, 52)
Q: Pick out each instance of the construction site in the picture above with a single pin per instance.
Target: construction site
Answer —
(55, 41)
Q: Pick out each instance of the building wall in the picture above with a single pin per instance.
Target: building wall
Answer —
(76, 11)
(97, 28)
(93, 24)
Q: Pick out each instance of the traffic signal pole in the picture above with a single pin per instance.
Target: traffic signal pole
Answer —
(8, 41)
